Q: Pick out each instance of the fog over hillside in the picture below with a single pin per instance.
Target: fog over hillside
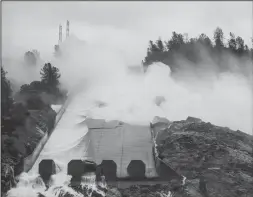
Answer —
(102, 73)
(96, 56)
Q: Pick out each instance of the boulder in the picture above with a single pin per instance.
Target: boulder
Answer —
(193, 119)
(160, 121)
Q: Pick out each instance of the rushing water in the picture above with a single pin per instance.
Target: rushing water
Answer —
(133, 99)
(67, 142)
(70, 140)
(33, 186)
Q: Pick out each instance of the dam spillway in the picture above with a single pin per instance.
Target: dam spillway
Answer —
(98, 140)
(77, 137)
(123, 143)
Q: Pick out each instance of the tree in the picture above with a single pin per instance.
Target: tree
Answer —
(191, 49)
(50, 76)
(35, 86)
(218, 38)
(160, 45)
(25, 88)
(246, 49)
(232, 42)
(239, 45)
(6, 92)
(30, 58)
(251, 50)
(175, 42)
(153, 47)
(205, 40)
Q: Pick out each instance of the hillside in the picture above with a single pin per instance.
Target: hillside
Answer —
(214, 159)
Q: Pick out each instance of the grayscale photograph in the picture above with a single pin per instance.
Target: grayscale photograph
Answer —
(126, 99)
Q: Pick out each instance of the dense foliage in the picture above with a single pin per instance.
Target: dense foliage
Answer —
(50, 76)
(197, 51)
(48, 84)
(6, 93)
(22, 115)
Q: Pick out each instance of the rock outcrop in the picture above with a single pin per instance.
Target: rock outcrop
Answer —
(215, 160)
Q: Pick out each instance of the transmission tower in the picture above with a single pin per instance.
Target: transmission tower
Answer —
(67, 29)
(60, 34)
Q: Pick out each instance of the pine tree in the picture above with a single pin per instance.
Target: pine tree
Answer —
(175, 42)
(50, 76)
(232, 42)
(239, 45)
(218, 38)
(153, 47)
(205, 40)
(160, 45)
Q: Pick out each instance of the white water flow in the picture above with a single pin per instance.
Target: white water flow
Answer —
(67, 142)
(133, 99)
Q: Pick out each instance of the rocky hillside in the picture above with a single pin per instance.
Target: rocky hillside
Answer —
(215, 160)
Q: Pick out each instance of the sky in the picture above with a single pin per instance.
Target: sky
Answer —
(116, 35)
(34, 25)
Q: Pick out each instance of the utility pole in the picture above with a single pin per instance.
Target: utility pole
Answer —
(67, 29)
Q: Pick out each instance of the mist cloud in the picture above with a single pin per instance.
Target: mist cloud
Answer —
(223, 99)
(96, 60)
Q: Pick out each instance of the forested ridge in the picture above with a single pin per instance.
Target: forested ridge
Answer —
(200, 51)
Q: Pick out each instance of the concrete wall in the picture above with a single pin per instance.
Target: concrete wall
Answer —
(123, 144)
(123, 151)
(164, 171)
(30, 160)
